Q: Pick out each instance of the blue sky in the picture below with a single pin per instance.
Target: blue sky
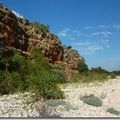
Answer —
(92, 27)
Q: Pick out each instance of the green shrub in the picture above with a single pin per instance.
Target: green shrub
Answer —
(116, 72)
(113, 75)
(92, 100)
(55, 103)
(14, 73)
(82, 67)
(43, 80)
(95, 74)
(69, 47)
(75, 78)
(6, 85)
(42, 27)
(18, 73)
(100, 73)
(99, 70)
(113, 111)
(92, 77)
(89, 76)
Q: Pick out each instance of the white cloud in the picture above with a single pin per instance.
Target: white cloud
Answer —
(94, 48)
(116, 26)
(17, 14)
(107, 46)
(87, 27)
(99, 26)
(78, 34)
(104, 34)
(81, 44)
(104, 26)
(69, 34)
(75, 32)
(64, 32)
(106, 40)
(71, 38)
(88, 47)
(88, 50)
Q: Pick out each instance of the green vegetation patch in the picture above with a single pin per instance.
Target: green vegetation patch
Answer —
(92, 100)
(55, 103)
(41, 27)
(95, 74)
(82, 66)
(19, 74)
(113, 111)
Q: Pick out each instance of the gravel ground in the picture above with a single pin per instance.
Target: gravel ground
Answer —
(108, 91)
(19, 105)
(23, 105)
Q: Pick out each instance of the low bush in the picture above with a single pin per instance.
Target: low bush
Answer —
(92, 100)
(113, 111)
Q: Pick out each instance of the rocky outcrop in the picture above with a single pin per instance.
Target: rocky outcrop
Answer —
(20, 34)
(47, 43)
(11, 34)
(70, 62)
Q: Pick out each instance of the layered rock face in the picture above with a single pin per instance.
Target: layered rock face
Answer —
(11, 34)
(20, 34)
(47, 43)
(70, 62)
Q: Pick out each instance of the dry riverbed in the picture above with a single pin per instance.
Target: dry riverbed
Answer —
(23, 105)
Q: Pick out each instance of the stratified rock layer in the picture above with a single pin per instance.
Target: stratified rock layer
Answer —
(21, 35)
